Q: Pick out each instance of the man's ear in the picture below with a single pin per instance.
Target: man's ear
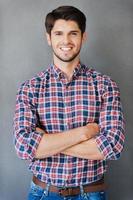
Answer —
(48, 39)
(84, 38)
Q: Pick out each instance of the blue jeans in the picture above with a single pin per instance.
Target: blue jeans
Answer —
(37, 193)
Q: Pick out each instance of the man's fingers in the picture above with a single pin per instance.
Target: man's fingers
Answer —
(39, 130)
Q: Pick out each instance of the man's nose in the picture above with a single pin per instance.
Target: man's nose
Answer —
(66, 39)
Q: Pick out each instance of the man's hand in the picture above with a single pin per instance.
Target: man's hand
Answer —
(39, 130)
(89, 131)
(86, 149)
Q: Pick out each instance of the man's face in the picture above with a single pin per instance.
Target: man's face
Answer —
(66, 40)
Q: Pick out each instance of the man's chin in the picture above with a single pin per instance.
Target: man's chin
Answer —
(67, 59)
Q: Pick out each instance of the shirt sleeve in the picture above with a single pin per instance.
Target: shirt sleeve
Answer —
(110, 141)
(26, 138)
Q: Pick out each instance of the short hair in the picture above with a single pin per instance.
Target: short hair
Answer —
(66, 13)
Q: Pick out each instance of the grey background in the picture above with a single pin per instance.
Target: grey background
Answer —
(24, 52)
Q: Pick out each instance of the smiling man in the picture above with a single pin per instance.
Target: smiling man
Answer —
(68, 119)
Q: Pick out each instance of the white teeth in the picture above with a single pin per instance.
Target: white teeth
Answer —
(65, 48)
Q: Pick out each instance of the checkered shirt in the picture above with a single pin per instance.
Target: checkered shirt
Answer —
(50, 101)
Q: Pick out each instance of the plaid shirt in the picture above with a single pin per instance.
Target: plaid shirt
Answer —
(49, 101)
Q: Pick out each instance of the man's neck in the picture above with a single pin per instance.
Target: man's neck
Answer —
(67, 67)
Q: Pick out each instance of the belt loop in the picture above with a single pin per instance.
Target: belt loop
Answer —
(81, 189)
(46, 192)
(83, 195)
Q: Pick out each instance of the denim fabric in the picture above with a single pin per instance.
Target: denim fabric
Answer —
(37, 193)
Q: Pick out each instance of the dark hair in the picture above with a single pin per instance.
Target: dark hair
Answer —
(66, 13)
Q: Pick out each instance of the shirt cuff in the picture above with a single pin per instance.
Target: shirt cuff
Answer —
(105, 147)
(34, 140)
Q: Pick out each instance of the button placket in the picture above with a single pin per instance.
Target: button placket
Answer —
(67, 106)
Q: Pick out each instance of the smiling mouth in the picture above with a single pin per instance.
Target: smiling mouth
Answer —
(66, 49)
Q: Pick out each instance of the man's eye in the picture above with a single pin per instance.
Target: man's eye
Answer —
(58, 33)
(74, 33)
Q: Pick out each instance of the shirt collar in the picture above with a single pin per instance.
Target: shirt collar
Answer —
(59, 73)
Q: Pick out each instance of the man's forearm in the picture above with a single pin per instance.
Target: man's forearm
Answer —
(87, 150)
(55, 143)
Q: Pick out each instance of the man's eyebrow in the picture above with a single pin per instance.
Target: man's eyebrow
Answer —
(74, 31)
(57, 31)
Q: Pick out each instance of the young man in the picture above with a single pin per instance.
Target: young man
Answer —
(68, 120)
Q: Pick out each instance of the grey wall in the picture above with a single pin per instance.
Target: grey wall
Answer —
(24, 52)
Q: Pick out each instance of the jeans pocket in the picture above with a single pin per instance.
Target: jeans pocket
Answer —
(36, 192)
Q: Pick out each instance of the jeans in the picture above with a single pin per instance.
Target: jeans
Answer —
(37, 193)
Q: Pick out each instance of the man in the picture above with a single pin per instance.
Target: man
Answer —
(68, 120)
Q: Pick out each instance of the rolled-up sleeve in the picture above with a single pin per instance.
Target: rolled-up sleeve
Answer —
(26, 138)
(110, 141)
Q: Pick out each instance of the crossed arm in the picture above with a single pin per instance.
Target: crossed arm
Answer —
(78, 142)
